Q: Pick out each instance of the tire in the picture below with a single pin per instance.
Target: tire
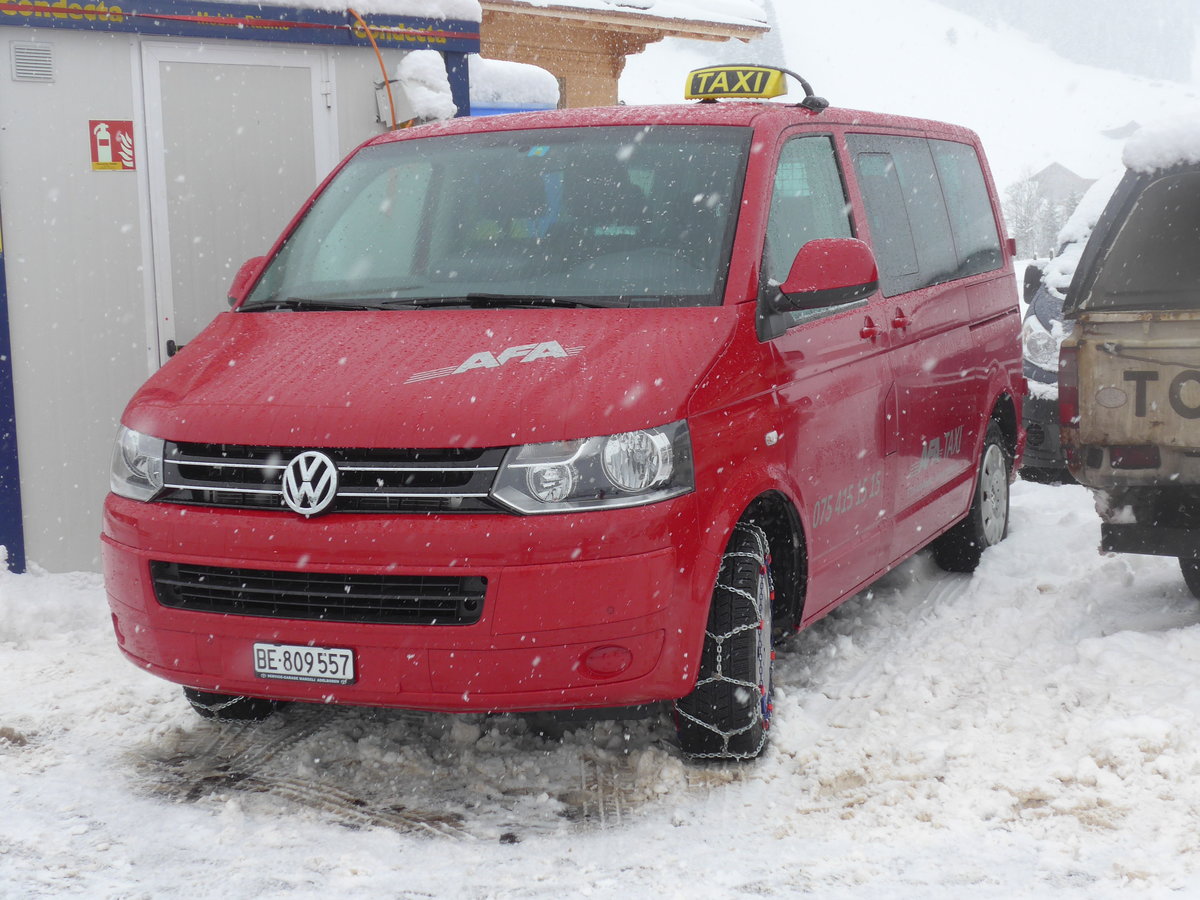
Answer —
(1191, 575)
(960, 548)
(728, 713)
(230, 708)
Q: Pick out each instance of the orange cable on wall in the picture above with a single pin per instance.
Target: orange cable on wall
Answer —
(387, 82)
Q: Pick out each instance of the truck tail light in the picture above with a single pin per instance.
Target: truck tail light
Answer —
(1068, 387)
(1134, 457)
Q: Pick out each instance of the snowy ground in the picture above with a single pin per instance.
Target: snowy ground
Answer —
(1028, 730)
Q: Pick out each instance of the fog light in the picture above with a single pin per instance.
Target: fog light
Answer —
(605, 662)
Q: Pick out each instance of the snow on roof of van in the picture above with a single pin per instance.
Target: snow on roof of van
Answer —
(1168, 142)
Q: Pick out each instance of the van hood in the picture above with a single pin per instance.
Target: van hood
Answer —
(431, 378)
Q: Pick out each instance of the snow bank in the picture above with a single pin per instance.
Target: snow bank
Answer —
(1168, 142)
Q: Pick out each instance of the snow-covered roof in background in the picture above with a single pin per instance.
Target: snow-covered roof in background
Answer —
(1167, 142)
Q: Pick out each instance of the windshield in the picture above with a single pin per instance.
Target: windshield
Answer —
(623, 216)
(1154, 260)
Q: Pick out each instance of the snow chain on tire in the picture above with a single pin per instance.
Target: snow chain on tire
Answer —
(223, 707)
(728, 714)
(214, 709)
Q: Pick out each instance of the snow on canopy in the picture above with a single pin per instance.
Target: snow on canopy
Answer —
(461, 10)
(728, 12)
(1168, 142)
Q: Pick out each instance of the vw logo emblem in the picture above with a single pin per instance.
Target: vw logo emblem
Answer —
(310, 483)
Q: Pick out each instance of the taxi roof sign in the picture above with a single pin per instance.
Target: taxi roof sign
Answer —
(750, 82)
(746, 82)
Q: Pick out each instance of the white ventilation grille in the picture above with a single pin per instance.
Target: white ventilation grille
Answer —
(32, 62)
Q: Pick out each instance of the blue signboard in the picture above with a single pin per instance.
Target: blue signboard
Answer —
(12, 534)
(243, 22)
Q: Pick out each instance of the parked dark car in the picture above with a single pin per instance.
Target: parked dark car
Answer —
(1042, 334)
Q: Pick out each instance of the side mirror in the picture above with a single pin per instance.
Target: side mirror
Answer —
(1033, 281)
(245, 278)
(830, 272)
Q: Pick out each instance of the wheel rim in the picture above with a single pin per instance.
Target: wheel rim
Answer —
(993, 495)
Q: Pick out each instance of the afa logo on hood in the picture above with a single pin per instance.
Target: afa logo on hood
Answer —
(485, 359)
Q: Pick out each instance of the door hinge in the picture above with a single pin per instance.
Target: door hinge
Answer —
(327, 93)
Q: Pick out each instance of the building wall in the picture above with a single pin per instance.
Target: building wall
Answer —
(80, 268)
(76, 286)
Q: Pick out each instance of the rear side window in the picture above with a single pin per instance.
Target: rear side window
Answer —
(927, 217)
(972, 221)
(1153, 262)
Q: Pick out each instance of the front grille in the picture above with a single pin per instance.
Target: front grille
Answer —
(370, 481)
(318, 596)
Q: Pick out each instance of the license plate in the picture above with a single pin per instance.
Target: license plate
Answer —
(327, 665)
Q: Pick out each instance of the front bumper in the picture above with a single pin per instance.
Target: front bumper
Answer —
(562, 592)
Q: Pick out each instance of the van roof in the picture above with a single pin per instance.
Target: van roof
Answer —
(730, 113)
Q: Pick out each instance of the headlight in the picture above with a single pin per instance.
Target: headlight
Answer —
(629, 469)
(137, 465)
(1040, 346)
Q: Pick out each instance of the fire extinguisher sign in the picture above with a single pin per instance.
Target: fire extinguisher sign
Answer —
(112, 145)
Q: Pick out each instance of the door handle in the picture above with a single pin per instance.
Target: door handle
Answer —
(900, 320)
(173, 348)
(870, 330)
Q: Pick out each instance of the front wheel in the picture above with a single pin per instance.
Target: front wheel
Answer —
(227, 707)
(960, 548)
(728, 713)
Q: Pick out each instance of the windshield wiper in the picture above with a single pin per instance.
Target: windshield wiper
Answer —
(307, 304)
(501, 300)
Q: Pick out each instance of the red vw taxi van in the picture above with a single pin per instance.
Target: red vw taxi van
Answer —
(576, 409)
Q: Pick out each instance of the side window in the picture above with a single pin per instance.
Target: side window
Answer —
(970, 206)
(808, 202)
(906, 211)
